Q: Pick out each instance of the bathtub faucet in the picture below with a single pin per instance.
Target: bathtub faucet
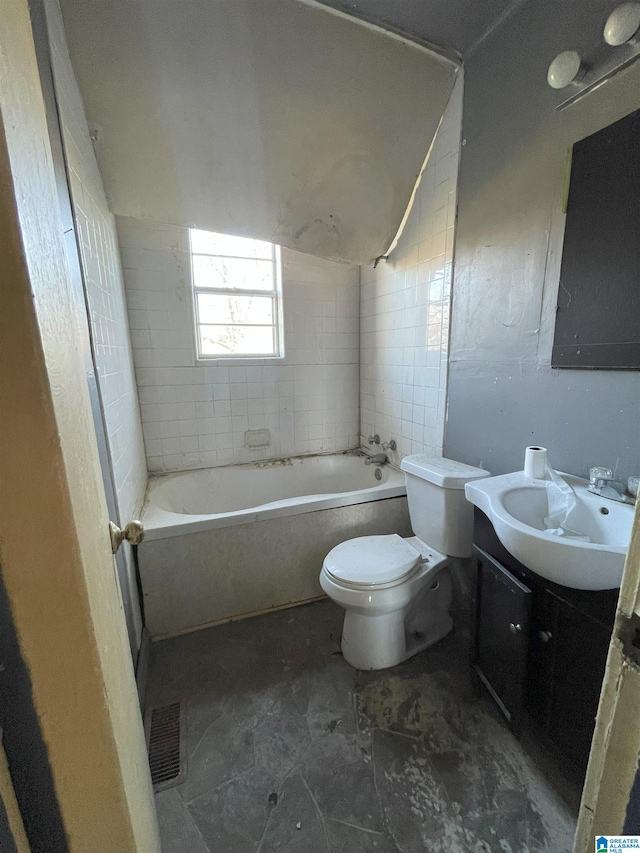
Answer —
(377, 459)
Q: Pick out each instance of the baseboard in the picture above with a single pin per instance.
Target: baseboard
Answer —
(142, 666)
(238, 618)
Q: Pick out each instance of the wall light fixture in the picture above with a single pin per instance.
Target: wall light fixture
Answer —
(622, 24)
(569, 70)
(565, 69)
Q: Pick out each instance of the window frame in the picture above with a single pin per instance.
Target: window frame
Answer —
(275, 295)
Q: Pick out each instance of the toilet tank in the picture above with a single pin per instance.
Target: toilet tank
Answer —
(440, 514)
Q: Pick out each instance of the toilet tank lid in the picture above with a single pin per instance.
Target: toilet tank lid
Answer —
(446, 473)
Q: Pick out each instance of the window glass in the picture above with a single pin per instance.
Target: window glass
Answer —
(236, 294)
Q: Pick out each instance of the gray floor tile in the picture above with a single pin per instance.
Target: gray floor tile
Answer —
(461, 774)
(295, 824)
(224, 751)
(178, 832)
(348, 794)
(234, 654)
(233, 817)
(201, 713)
(433, 706)
(494, 831)
(279, 742)
(294, 692)
(291, 750)
(332, 701)
(250, 699)
(350, 839)
(413, 799)
(333, 751)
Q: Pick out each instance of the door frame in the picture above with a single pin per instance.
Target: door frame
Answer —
(57, 564)
(79, 288)
(609, 789)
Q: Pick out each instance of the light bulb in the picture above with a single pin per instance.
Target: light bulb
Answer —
(622, 24)
(566, 68)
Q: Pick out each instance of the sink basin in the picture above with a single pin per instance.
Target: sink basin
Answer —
(517, 506)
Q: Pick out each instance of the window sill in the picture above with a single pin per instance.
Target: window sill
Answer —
(240, 360)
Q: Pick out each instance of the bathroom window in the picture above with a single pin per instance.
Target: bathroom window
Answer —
(236, 296)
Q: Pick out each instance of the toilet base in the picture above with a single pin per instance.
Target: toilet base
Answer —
(386, 625)
(381, 641)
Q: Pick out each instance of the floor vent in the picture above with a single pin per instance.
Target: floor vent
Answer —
(166, 739)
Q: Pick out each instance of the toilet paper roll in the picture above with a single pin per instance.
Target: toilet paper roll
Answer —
(535, 462)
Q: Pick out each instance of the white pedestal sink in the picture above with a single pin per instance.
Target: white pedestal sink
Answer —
(517, 506)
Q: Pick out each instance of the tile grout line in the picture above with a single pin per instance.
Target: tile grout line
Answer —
(192, 822)
(215, 787)
(279, 789)
(355, 826)
(320, 813)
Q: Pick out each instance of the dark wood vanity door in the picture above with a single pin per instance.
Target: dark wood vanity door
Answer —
(542, 655)
(581, 648)
(503, 608)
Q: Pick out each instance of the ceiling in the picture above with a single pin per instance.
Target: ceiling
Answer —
(452, 25)
(260, 118)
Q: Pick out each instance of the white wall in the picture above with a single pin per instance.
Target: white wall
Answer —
(405, 305)
(265, 118)
(105, 293)
(195, 415)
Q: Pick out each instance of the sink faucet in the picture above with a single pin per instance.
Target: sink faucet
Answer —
(601, 483)
(376, 459)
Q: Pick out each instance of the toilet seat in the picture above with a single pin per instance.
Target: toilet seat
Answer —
(372, 561)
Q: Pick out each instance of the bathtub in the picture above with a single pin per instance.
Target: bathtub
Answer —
(225, 543)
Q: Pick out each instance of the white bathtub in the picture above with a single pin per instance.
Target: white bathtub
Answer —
(237, 494)
(223, 543)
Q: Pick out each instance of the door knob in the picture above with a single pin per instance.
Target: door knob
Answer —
(545, 636)
(515, 627)
(133, 533)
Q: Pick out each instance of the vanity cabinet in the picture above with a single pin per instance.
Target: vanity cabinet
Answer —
(503, 615)
(540, 648)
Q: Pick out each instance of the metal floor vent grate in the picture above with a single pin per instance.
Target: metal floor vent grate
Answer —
(167, 753)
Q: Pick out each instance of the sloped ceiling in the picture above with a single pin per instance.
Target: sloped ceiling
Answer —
(263, 118)
(452, 25)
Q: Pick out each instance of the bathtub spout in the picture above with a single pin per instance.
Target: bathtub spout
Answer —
(376, 459)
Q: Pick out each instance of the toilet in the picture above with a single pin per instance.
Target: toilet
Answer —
(397, 592)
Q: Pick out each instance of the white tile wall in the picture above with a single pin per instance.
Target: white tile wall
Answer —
(107, 305)
(405, 303)
(105, 294)
(195, 415)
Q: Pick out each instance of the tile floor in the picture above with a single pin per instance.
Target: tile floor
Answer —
(291, 750)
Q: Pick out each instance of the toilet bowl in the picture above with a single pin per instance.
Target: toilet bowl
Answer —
(397, 592)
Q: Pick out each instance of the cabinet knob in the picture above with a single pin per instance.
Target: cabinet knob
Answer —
(545, 636)
(515, 627)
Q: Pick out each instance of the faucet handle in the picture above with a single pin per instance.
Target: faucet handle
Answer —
(598, 475)
(390, 445)
(374, 439)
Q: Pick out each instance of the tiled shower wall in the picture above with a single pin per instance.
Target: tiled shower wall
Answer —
(195, 414)
(105, 294)
(104, 282)
(404, 315)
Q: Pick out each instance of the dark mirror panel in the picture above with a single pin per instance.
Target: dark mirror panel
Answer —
(598, 313)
